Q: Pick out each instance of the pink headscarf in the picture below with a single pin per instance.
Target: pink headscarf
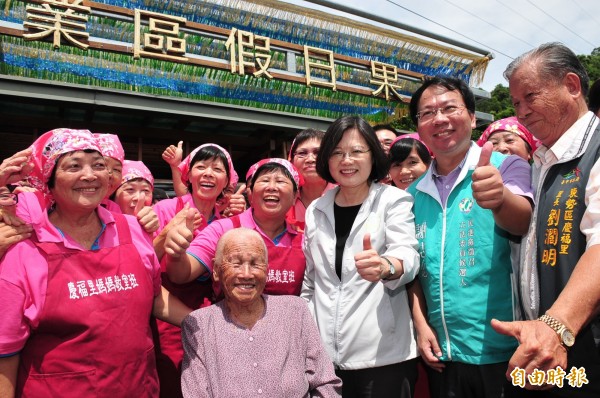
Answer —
(110, 146)
(298, 179)
(512, 125)
(133, 169)
(415, 136)
(185, 165)
(49, 147)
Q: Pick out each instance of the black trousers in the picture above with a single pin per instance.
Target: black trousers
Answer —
(461, 380)
(391, 381)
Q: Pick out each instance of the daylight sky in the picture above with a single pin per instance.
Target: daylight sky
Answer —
(507, 28)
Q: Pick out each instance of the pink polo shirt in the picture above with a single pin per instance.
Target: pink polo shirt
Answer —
(24, 274)
(204, 245)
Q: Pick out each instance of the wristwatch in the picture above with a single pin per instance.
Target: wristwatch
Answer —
(392, 269)
(566, 335)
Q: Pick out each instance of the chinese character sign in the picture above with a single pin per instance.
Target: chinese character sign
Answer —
(249, 46)
(58, 18)
(162, 40)
(322, 60)
(386, 76)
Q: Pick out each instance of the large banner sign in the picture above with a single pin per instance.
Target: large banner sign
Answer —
(264, 54)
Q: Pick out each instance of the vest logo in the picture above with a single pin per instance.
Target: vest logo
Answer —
(571, 177)
(466, 205)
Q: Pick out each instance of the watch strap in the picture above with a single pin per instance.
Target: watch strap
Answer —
(392, 269)
(556, 325)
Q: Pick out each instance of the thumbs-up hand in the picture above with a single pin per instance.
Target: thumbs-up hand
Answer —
(368, 263)
(488, 187)
(181, 232)
(237, 202)
(173, 154)
(146, 215)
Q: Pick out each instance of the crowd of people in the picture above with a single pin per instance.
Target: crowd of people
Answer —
(366, 264)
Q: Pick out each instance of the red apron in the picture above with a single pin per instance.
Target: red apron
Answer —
(167, 337)
(93, 338)
(286, 266)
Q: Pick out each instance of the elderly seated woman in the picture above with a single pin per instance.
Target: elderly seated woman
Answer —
(251, 343)
(77, 296)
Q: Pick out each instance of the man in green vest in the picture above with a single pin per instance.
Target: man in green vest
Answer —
(468, 206)
(560, 255)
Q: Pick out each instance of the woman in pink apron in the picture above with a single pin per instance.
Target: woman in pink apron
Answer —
(273, 187)
(207, 172)
(77, 297)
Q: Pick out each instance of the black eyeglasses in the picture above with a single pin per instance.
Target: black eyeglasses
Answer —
(8, 199)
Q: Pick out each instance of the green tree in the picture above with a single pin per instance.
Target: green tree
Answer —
(592, 64)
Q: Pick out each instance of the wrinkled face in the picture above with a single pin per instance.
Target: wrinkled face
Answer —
(447, 136)
(243, 270)
(510, 144)
(351, 163)
(406, 172)
(305, 160)
(80, 181)
(208, 178)
(272, 195)
(115, 171)
(542, 105)
(385, 137)
(130, 193)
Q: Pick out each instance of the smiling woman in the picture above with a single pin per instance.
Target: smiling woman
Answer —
(272, 187)
(82, 257)
(225, 340)
(360, 254)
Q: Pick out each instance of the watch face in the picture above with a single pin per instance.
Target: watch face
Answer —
(568, 338)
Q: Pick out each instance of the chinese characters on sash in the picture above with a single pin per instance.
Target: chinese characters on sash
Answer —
(101, 286)
(559, 226)
(278, 276)
(466, 259)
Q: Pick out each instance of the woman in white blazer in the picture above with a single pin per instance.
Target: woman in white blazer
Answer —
(360, 250)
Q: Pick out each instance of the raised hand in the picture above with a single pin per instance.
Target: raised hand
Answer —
(146, 215)
(368, 262)
(488, 187)
(181, 233)
(173, 154)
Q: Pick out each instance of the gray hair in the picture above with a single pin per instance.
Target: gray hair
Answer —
(243, 234)
(554, 61)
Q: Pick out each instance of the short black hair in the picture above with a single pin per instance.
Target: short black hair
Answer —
(209, 152)
(378, 127)
(334, 134)
(403, 147)
(450, 84)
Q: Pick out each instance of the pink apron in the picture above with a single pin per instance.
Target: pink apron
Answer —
(93, 338)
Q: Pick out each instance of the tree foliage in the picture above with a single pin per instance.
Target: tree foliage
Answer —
(592, 64)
